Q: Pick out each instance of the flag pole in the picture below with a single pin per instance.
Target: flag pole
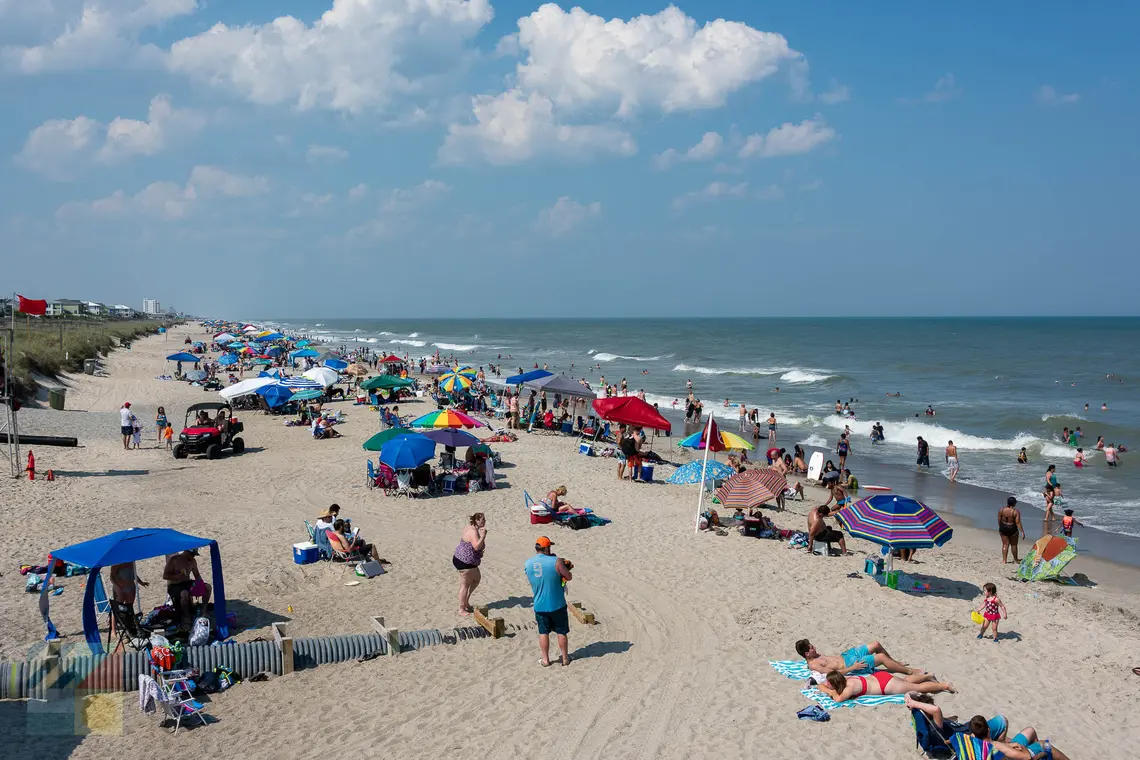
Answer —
(704, 468)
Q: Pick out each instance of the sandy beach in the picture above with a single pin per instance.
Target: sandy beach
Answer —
(677, 666)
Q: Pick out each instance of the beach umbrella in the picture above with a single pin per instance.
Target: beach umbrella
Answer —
(451, 437)
(470, 372)
(751, 488)
(236, 344)
(245, 387)
(263, 361)
(898, 522)
(358, 370)
(184, 357)
(526, 377)
(302, 343)
(391, 359)
(729, 441)
(275, 372)
(690, 473)
(275, 395)
(304, 353)
(407, 452)
(385, 383)
(1047, 558)
(630, 410)
(453, 382)
(376, 442)
(322, 375)
(445, 418)
(195, 374)
(274, 351)
(224, 337)
(227, 359)
(271, 336)
(247, 350)
(300, 383)
(307, 394)
(337, 364)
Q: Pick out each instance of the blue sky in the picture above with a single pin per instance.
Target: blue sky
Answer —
(621, 158)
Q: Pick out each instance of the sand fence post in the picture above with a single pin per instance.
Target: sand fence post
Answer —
(390, 635)
(285, 645)
(584, 617)
(497, 627)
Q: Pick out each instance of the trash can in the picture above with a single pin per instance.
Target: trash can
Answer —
(56, 398)
(89, 366)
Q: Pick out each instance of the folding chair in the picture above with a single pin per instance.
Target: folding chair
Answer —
(404, 486)
(371, 481)
(542, 509)
(174, 695)
(929, 739)
(126, 623)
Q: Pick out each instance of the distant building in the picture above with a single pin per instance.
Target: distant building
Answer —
(122, 312)
(66, 307)
(96, 309)
(151, 306)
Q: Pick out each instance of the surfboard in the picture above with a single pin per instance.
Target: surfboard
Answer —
(815, 465)
(875, 488)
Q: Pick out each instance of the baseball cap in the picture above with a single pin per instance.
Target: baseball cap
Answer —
(543, 542)
(126, 403)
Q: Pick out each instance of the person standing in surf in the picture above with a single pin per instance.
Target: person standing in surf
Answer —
(771, 427)
(1009, 526)
(743, 417)
(952, 460)
(842, 448)
(923, 453)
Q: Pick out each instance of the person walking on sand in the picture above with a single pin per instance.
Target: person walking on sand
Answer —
(1009, 526)
(992, 610)
(743, 417)
(467, 557)
(547, 573)
(126, 425)
(160, 422)
(952, 460)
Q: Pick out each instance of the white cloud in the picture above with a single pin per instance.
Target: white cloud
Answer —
(53, 148)
(708, 148)
(514, 127)
(164, 126)
(358, 55)
(1047, 96)
(168, 200)
(78, 34)
(711, 191)
(789, 139)
(399, 209)
(812, 186)
(404, 198)
(771, 192)
(61, 148)
(311, 203)
(946, 88)
(839, 93)
(663, 61)
(564, 215)
(330, 153)
(358, 191)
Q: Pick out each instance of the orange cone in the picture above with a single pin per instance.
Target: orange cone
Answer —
(31, 466)
(51, 476)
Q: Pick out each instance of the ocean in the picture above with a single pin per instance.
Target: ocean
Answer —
(996, 385)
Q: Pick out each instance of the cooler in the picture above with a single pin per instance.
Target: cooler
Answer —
(647, 473)
(540, 519)
(585, 448)
(305, 553)
(568, 427)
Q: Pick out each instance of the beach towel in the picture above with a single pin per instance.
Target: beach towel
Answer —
(798, 670)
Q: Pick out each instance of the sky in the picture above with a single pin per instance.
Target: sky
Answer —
(458, 158)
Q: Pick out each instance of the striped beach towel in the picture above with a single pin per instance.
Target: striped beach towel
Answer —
(798, 670)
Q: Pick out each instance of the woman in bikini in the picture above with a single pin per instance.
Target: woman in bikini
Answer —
(554, 499)
(841, 688)
(1009, 526)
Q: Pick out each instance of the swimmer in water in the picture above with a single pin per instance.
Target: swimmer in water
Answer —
(726, 403)
(1104, 407)
(777, 389)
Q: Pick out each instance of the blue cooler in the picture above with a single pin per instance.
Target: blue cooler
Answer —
(647, 473)
(305, 554)
(585, 448)
(568, 427)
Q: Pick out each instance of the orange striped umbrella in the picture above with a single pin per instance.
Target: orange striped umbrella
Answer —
(751, 488)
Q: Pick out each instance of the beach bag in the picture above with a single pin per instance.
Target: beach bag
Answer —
(578, 522)
(200, 634)
(629, 446)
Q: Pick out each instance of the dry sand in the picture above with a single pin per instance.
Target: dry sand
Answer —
(676, 668)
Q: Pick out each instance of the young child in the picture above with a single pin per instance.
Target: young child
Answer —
(992, 609)
(168, 434)
(1067, 523)
(136, 433)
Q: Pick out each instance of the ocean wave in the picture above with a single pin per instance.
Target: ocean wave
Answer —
(804, 376)
(413, 335)
(732, 370)
(456, 346)
(385, 332)
(816, 440)
(605, 357)
(1047, 417)
(416, 343)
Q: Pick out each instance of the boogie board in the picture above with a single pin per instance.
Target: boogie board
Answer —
(875, 488)
(815, 466)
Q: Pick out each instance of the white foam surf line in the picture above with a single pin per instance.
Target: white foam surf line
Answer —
(416, 343)
(907, 433)
(603, 356)
(456, 346)
(732, 370)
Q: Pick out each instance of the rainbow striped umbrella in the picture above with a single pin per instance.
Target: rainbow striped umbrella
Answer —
(731, 441)
(895, 521)
(454, 382)
(470, 372)
(445, 418)
(751, 488)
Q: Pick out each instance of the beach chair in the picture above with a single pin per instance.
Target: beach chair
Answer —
(345, 558)
(370, 482)
(929, 739)
(174, 687)
(404, 486)
(311, 531)
(543, 510)
(126, 623)
(386, 479)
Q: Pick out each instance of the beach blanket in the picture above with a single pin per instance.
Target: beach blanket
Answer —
(798, 670)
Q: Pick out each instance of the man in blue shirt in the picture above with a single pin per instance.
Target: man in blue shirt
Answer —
(546, 573)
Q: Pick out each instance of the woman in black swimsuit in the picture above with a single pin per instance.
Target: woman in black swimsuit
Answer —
(1009, 526)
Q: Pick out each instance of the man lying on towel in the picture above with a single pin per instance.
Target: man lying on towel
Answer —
(868, 656)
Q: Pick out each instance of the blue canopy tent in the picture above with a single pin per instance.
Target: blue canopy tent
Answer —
(304, 353)
(275, 395)
(337, 364)
(526, 377)
(131, 545)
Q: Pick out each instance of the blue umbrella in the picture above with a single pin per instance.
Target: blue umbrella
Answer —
(302, 343)
(304, 353)
(691, 473)
(184, 357)
(407, 452)
(337, 364)
(451, 437)
(526, 377)
(275, 351)
(236, 344)
(297, 383)
(275, 395)
(272, 336)
(228, 359)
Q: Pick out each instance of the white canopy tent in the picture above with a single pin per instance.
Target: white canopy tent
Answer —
(245, 387)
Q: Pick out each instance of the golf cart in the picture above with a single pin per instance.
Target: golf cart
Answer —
(209, 438)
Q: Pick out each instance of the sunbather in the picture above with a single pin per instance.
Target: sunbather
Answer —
(869, 656)
(185, 584)
(995, 727)
(1025, 745)
(841, 688)
(554, 501)
(343, 541)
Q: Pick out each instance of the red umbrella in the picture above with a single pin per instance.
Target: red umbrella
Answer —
(751, 488)
(391, 359)
(710, 433)
(630, 410)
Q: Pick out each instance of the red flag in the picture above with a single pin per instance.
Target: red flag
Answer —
(30, 306)
(716, 443)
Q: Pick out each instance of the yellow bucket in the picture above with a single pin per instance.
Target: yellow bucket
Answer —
(977, 617)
